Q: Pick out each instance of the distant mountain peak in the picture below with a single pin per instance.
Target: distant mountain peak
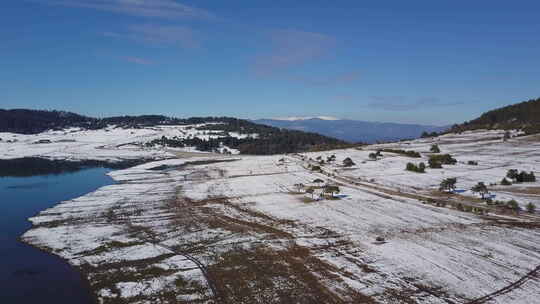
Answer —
(295, 118)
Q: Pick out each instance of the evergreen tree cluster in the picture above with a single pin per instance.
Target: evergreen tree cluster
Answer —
(277, 142)
(426, 134)
(410, 153)
(420, 168)
(34, 121)
(436, 161)
(26, 121)
(505, 182)
(531, 208)
(524, 115)
(435, 148)
(521, 177)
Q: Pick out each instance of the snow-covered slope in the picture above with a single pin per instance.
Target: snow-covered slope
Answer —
(494, 157)
(244, 230)
(103, 144)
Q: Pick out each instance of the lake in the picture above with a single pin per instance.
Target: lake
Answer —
(28, 275)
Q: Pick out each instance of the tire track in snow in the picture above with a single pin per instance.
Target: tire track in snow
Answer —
(533, 274)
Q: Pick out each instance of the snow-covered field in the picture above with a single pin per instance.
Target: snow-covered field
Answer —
(110, 144)
(493, 156)
(196, 233)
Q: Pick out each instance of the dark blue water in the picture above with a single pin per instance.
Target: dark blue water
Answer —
(28, 275)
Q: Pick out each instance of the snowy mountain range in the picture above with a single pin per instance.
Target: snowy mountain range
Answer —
(352, 130)
(295, 118)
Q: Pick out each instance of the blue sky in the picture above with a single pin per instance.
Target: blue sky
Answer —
(431, 62)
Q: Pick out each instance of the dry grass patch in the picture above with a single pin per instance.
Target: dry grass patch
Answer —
(245, 227)
(264, 275)
(526, 190)
(306, 200)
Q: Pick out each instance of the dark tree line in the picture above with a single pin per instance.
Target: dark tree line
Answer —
(524, 115)
(25, 121)
(278, 142)
(410, 153)
(436, 161)
(34, 121)
(269, 140)
(521, 177)
(31, 166)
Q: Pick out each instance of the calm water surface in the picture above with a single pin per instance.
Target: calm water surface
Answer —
(28, 275)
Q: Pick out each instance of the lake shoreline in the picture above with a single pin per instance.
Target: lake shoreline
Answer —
(41, 166)
(78, 166)
(82, 274)
(29, 274)
(78, 230)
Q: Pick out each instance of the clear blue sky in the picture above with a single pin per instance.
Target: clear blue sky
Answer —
(432, 62)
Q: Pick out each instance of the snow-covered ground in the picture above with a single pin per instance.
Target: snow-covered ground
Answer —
(494, 157)
(146, 237)
(109, 144)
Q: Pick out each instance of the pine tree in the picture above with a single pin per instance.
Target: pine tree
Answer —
(531, 208)
(505, 182)
(448, 184)
(481, 188)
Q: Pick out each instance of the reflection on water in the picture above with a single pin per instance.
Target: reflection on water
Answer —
(28, 275)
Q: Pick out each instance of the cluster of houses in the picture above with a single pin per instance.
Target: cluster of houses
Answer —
(318, 189)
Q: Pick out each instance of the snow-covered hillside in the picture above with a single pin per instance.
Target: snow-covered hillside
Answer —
(492, 157)
(110, 143)
(247, 230)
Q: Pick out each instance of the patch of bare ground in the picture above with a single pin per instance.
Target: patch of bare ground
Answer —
(481, 208)
(530, 138)
(454, 197)
(306, 200)
(514, 223)
(261, 274)
(525, 190)
(243, 208)
(464, 203)
(245, 227)
(109, 274)
(255, 273)
(248, 221)
(465, 141)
